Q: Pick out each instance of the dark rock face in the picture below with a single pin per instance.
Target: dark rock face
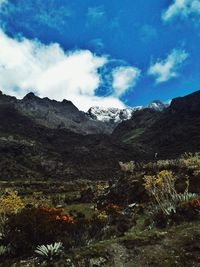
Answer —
(30, 149)
(54, 114)
(187, 104)
(168, 133)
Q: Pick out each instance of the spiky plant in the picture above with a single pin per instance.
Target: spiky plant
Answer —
(49, 252)
(3, 250)
(185, 197)
(170, 206)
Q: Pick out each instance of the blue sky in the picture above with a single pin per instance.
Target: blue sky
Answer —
(96, 52)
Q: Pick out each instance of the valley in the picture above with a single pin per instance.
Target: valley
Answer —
(106, 197)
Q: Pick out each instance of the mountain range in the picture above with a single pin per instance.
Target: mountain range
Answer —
(116, 116)
(43, 138)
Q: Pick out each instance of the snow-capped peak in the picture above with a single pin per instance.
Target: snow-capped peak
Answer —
(157, 105)
(115, 115)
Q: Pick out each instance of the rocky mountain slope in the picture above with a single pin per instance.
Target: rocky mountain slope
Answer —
(65, 115)
(56, 115)
(42, 138)
(169, 133)
(29, 148)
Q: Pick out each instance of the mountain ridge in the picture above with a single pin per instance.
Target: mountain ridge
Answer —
(116, 115)
(30, 148)
(65, 115)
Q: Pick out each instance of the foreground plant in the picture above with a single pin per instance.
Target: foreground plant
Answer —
(10, 203)
(185, 197)
(162, 188)
(3, 250)
(50, 252)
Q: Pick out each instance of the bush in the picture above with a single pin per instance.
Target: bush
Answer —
(162, 188)
(32, 227)
(10, 203)
(127, 166)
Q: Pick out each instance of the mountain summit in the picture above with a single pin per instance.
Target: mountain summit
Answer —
(115, 115)
(65, 115)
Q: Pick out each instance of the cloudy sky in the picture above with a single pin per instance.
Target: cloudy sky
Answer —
(117, 53)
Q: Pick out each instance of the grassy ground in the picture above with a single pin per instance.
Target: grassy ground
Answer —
(86, 208)
(175, 246)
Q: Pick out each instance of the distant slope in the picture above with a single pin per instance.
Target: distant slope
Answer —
(56, 115)
(169, 133)
(29, 150)
(34, 146)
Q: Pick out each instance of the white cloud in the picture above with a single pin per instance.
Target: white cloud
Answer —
(166, 69)
(84, 102)
(49, 71)
(124, 78)
(182, 8)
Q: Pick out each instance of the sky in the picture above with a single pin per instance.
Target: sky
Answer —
(117, 53)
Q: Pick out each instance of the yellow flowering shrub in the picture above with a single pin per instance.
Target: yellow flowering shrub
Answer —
(162, 188)
(103, 216)
(10, 203)
(190, 161)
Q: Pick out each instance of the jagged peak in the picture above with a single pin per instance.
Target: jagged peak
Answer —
(157, 105)
(117, 115)
(33, 96)
(30, 96)
(67, 102)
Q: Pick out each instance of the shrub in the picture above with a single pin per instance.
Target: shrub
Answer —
(127, 166)
(162, 188)
(190, 161)
(41, 226)
(10, 203)
(32, 227)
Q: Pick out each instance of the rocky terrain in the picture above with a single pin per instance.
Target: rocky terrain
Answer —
(168, 133)
(46, 138)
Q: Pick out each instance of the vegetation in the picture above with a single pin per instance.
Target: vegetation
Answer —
(151, 205)
(49, 252)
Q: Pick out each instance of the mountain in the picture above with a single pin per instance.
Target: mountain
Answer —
(64, 115)
(168, 133)
(46, 139)
(33, 145)
(56, 115)
(157, 105)
(111, 115)
(116, 116)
